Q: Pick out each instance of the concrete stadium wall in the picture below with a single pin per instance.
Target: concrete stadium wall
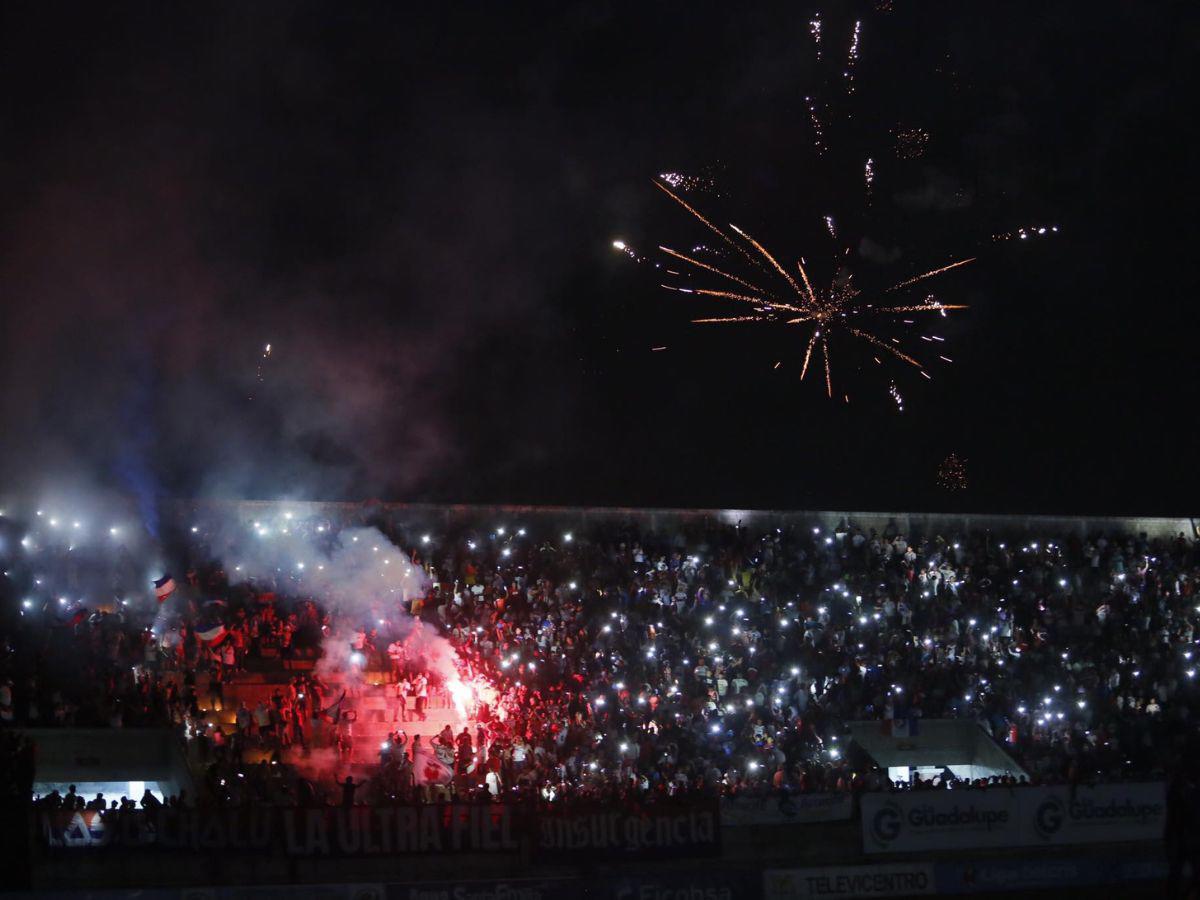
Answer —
(415, 515)
(66, 755)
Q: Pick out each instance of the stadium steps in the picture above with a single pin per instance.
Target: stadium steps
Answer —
(374, 704)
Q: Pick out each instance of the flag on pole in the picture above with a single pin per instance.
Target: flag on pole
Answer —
(212, 636)
(164, 587)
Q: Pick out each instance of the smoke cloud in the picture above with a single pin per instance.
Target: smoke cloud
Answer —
(357, 575)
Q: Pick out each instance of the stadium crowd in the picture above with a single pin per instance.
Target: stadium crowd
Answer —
(704, 659)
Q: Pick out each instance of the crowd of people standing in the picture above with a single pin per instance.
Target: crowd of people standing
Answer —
(632, 661)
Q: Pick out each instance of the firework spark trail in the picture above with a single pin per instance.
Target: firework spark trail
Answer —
(828, 373)
(869, 176)
(744, 298)
(831, 227)
(259, 372)
(808, 352)
(814, 28)
(774, 262)
(812, 297)
(925, 307)
(930, 274)
(818, 127)
(695, 212)
(622, 247)
(266, 354)
(729, 320)
(714, 269)
(855, 36)
(852, 56)
(867, 336)
(1026, 232)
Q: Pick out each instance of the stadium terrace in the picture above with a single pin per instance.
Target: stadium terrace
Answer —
(342, 655)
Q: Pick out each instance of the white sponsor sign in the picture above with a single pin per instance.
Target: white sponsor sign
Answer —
(895, 880)
(948, 820)
(800, 808)
(927, 820)
(1107, 812)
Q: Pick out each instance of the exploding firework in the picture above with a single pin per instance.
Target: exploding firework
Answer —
(775, 295)
(952, 474)
(820, 295)
(911, 142)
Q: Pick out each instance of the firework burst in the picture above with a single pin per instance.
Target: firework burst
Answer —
(834, 312)
(952, 474)
(826, 312)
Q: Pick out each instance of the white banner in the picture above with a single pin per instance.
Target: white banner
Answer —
(894, 880)
(797, 809)
(1107, 812)
(931, 820)
(950, 820)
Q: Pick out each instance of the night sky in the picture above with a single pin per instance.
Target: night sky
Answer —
(416, 208)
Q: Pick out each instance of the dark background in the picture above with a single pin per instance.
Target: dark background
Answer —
(416, 206)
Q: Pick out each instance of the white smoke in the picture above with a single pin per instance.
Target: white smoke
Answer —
(357, 575)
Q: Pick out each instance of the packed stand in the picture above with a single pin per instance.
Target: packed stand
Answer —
(701, 660)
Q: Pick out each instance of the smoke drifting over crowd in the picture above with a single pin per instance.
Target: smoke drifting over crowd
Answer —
(154, 248)
(358, 571)
(132, 360)
(357, 575)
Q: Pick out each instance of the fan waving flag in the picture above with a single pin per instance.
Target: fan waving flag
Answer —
(433, 765)
(211, 636)
(164, 587)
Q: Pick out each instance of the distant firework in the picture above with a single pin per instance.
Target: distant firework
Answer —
(952, 474)
(682, 182)
(1026, 233)
(911, 142)
(260, 370)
